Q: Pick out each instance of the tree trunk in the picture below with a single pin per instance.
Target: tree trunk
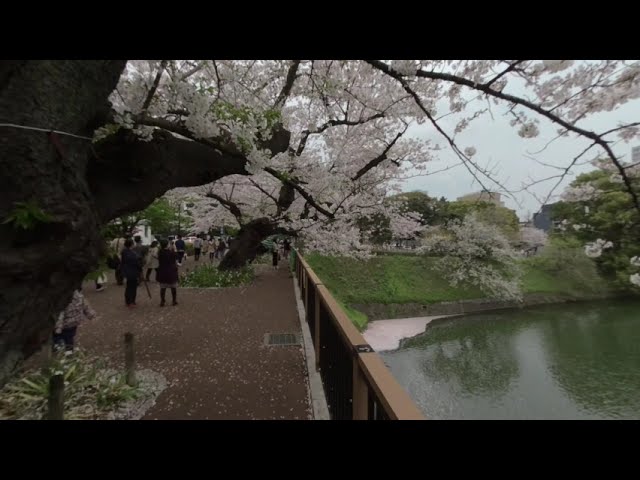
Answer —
(40, 268)
(246, 243)
(80, 186)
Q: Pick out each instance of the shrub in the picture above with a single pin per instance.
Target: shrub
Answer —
(569, 265)
(91, 391)
(207, 276)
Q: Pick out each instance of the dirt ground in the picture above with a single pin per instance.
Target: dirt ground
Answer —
(210, 347)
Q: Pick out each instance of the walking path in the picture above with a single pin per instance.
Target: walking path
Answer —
(210, 348)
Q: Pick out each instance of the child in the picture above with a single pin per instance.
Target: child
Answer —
(66, 327)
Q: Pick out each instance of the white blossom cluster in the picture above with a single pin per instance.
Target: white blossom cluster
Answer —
(595, 249)
(474, 253)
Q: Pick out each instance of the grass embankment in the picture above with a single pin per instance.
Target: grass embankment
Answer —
(388, 279)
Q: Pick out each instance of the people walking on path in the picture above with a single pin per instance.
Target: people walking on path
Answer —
(152, 261)
(180, 248)
(205, 248)
(131, 267)
(213, 246)
(142, 252)
(222, 246)
(274, 255)
(66, 326)
(167, 272)
(197, 248)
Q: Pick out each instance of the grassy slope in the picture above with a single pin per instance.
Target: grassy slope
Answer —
(407, 279)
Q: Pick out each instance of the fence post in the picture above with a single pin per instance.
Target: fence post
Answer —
(129, 359)
(360, 392)
(56, 398)
(48, 354)
(316, 343)
(306, 291)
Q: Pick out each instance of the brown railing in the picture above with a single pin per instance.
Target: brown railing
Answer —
(357, 384)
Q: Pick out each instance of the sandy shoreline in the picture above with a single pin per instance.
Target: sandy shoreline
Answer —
(384, 335)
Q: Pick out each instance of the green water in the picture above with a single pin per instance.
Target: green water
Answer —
(578, 361)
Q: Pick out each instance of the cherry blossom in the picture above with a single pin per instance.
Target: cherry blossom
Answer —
(594, 249)
(477, 254)
(348, 123)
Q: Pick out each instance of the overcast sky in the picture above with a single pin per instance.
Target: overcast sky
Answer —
(498, 145)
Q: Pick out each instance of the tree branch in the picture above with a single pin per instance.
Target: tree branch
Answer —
(154, 87)
(510, 68)
(332, 123)
(288, 84)
(125, 163)
(538, 109)
(229, 205)
(621, 127)
(279, 141)
(463, 157)
(255, 184)
(285, 180)
(525, 103)
(195, 69)
(380, 158)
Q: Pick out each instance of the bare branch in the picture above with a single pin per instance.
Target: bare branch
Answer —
(380, 158)
(531, 106)
(461, 155)
(621, 127)
(288, 84)
(195, 69)
(154, 87)
(255, 184)
(510, 68)
(332, 123)
(566, 171)
(284, 179)
(229, 205)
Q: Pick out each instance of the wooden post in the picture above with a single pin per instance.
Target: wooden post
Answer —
(316, 343)
(129, 359)
(48, 354)
(56, 398)
(360, 392)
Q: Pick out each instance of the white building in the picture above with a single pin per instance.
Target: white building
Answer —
(145, 233)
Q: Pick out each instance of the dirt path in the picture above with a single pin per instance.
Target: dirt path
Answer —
(210, 348)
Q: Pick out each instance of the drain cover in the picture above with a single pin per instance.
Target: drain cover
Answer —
(281, 339)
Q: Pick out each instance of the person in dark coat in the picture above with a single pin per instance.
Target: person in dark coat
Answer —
(167, 272)
(180, 248)
(131, 268)
(274, 255)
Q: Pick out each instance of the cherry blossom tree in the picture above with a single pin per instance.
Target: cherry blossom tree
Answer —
(473, 253)
(532, 238)
(309, 144)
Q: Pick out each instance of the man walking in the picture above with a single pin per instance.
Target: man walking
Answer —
(197, 248)
(131, 267)
(180, 248)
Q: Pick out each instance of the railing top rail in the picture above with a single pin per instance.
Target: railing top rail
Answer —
(312, 275)
(395, 400)
(347, 329)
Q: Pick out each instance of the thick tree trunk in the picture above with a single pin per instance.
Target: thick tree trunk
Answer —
(246, 243)
(40, 268)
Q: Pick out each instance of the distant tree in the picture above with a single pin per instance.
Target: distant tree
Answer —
(488, 213)
(474, 253)
(432, 210)
(598, 211)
